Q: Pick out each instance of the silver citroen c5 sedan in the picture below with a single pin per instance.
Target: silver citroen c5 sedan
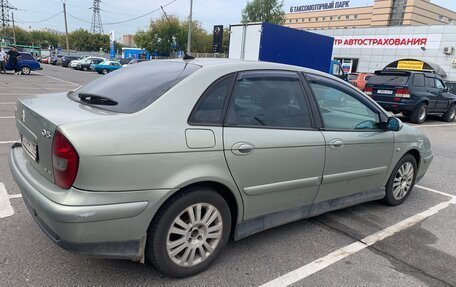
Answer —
(166, 160)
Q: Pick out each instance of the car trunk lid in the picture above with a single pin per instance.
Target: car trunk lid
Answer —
(38, 117)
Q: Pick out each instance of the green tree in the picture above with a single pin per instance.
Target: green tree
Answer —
(264, 11)
(165, 38)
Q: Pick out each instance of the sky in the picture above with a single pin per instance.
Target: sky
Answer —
(30, 13)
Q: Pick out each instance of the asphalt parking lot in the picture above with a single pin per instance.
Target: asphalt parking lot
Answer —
(366, 245)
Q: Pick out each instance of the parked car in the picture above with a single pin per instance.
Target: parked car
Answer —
(26, 64)
(86, 66)
(167, 159)
(67, 59)
(359, 80)
(414, 94)
(45, 60)
(106, 67)
(451, 87)
(136, 61)
(74, 63)
(55, 60)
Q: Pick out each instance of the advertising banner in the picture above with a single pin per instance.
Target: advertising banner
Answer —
(388, 41)
(112, 45)
(410, 65)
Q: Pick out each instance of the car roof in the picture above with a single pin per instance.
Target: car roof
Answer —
(244, 65)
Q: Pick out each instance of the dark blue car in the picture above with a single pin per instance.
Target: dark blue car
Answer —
(26, 64)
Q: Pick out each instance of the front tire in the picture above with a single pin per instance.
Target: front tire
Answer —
(401, 181)
(420, 114)
(450, 114)
(105, 71)
(189, 232)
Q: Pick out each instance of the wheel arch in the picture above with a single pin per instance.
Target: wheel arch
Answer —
(416, 154)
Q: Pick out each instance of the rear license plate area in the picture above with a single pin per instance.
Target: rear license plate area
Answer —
(384, 92)
(30, 148)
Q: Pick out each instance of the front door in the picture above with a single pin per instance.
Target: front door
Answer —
(358, 150)
(275, 156)
(443, 97)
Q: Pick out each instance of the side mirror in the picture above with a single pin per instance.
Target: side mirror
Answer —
(394, 124)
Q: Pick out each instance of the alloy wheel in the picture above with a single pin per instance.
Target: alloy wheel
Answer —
(403, 180)
(194, 234)
(423, 113)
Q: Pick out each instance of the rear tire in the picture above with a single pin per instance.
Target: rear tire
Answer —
(105, 71)
(401, 181)
(25, 71)
(180, 244)
(85, 69)
(450, 114)
(419, 115)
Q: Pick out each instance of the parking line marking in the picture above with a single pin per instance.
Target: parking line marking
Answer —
(17, 195)
(7, 103)
(8, 117)
(8, 142)
(436, 191)
(428, 126)
(333, 257)
(5, 206)
(60, 80)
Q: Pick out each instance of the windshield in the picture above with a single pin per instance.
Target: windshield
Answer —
(137, 86)
(389, 80)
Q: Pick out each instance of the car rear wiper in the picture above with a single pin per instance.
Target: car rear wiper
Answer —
(97, 100)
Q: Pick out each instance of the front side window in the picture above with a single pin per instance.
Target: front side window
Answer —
(439, 84)
(340, 109)
(269, 99)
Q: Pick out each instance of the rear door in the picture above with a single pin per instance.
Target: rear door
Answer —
(432, 92)
(358, 150)
(275, 155)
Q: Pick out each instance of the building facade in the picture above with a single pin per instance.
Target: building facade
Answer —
(128, 40)
(381, 13)
(371, 49)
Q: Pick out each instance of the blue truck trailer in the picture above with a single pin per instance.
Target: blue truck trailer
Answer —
(274, 43)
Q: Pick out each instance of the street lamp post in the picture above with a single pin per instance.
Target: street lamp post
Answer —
(189, 41)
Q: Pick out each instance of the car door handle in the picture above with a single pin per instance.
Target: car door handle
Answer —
(336, 144)
(242, 148)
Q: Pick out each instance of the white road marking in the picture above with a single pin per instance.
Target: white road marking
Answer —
(429, 126)
(5, 206)
(8, 142)
(323, 262)
(436, 191)
(7, 117)
(7, 103)
(60, 80)
(17, 195)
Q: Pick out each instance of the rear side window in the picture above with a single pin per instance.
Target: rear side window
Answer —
(269, 99)
(430, 82)
(136, 86)
(26, 57)
(209, 109)
(366, 78)
(389, 80)
(418, 80)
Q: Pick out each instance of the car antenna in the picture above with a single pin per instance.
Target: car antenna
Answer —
(186, 56)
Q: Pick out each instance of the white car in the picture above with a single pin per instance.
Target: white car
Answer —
(73, 64)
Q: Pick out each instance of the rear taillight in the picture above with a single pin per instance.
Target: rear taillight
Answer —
(403, 93)
(65, 161)
(368, 91)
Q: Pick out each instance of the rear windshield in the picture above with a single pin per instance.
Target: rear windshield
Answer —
(136, 87)
(389, 80)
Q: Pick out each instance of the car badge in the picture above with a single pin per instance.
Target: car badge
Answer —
(23, 116)
(47, 134)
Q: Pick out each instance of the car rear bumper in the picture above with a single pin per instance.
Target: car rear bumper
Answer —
(403, 105)
(101, 229)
